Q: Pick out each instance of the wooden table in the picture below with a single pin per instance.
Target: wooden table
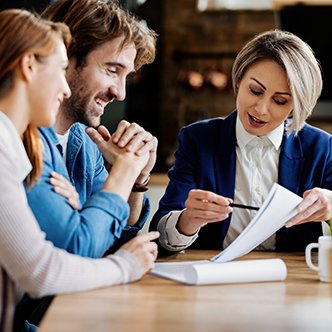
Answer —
(301, 303)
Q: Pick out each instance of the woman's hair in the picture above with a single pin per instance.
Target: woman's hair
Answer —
(296, 58)
(21, 32)
(94, 22)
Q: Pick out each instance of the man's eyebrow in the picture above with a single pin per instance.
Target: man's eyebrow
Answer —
(115, 64)
(118, 64)
(263, 86)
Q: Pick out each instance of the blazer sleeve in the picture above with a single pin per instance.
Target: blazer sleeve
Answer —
(182, 178)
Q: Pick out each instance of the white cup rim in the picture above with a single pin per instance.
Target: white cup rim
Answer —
(325, 238)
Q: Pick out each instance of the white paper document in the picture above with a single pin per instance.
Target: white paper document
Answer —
(208, 272)
(279, 206)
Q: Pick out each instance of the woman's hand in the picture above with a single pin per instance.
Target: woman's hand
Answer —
(202, 207)
(144, 250)
(316, 206)
(64, 188)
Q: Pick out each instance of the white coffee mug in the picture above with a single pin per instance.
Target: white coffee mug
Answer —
(324, 246)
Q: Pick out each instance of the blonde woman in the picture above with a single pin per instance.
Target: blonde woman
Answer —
(277, 81)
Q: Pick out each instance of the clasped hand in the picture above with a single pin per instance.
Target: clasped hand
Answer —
(130, 138)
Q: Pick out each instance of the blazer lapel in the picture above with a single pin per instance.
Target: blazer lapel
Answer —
(224, 158)
(291, 162)
(224, 163)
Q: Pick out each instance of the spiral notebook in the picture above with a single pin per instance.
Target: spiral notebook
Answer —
(279, 206)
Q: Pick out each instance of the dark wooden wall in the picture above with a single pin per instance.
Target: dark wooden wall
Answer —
(189, 40)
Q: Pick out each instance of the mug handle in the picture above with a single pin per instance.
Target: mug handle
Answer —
(308, 256)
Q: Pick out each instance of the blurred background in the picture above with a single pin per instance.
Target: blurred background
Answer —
(190, 79)
(198, 41)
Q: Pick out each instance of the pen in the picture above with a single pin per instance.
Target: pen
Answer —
(241, 206)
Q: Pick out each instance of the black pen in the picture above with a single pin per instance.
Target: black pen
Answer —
(241, 206)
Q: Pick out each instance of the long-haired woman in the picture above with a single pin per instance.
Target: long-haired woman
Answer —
(33, 62)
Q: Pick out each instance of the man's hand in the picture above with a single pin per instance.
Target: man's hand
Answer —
(134, 138)
(112, 152)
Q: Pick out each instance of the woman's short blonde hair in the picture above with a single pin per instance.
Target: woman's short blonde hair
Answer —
(296, 58)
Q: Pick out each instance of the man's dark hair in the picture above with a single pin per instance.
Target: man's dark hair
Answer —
(94, 22)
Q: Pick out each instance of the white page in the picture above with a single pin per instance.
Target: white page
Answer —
(257, 270)
(206, 272)
(278, 208)
(175, 270)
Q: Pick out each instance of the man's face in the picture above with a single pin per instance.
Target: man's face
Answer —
(100, 80)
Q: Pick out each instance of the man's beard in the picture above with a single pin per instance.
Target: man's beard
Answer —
(76, 108)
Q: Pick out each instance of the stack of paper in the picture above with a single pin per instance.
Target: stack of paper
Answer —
(207, 272)
(278, 208)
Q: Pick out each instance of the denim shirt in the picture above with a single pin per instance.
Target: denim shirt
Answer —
(101, 223)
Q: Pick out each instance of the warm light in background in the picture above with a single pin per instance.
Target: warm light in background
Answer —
(203, 5)
(217, 79)
(195, 79)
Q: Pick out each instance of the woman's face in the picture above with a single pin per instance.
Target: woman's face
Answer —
(49, 87)
(264, 100)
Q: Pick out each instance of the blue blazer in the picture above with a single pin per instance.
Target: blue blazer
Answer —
(206, 159)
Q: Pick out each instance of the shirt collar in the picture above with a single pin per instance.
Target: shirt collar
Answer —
(14, 144)
(63, 139)
(243, 137)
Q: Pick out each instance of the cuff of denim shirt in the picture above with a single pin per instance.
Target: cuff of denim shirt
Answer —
(170, 238)
(146, 209)
(113, 205)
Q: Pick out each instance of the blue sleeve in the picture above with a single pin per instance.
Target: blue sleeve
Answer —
(88, 232)
(128, 232)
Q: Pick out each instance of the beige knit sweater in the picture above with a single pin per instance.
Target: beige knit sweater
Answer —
(29, 262)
